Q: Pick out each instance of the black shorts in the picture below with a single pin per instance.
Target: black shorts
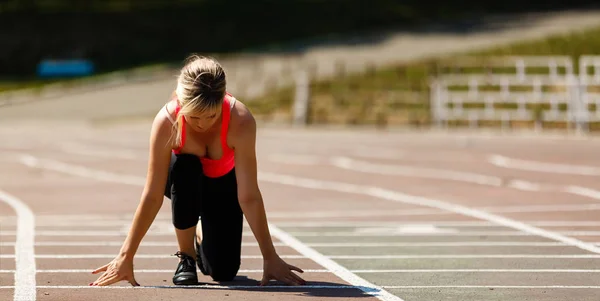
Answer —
(214, 201)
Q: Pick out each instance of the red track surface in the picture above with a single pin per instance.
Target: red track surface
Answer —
(55, 171)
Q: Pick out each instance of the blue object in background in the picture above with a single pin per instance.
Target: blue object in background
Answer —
(65, 68)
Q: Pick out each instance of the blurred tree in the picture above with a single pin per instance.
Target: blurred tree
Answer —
(123, 33)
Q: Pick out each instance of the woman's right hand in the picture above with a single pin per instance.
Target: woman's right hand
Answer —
(120, 268)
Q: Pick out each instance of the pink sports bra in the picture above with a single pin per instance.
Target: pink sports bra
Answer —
(220, 167)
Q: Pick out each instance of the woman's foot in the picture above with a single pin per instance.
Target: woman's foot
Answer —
(185, 274)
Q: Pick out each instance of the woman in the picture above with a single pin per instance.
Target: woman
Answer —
(208, 171)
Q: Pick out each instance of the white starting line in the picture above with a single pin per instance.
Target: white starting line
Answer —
(355, 257)
(377, 232)
(68, 271)
(145, 256)
(288, 217)
(117, 244)
(42, 224)
(305, 287)
(316, 244)
(165, 227)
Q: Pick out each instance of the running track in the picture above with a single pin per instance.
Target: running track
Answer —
(369, 215)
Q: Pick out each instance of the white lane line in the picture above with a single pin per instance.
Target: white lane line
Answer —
(318, 245)
(98, 224)
(274, 214)
(506, 162)
(354, 224)
(304, 287)
(411, 229)
(434, 173)
(277, 214)
(358, 233)
(465, 233)
(416, 200)
(355, 213)
(336, 186)
(364, 285)
(427, 211)
(525, 185)
(430, 173)
(340, 271)
(69, 271)
(411, 171)
(304, 159)
(493, 286)
(81, 171)
(207, 286)
(48, 222)
(479, 271)
(583, 191)
(438, 244)
(467, 256)
(365, 213)
(327, 259)
(86, 233)
(96, 233)
(117, 244)
(145, 256)
(541, 208)
(24, 250)
(164, 217)
(469, 224)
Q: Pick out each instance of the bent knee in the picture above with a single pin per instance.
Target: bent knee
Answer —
(185, 223)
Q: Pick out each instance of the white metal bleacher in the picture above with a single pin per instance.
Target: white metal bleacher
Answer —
(513, 92)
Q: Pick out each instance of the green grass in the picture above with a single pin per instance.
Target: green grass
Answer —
(18, 85)
(399, 95)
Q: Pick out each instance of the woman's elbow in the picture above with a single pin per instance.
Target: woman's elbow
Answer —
(153, 198)
(248, 198)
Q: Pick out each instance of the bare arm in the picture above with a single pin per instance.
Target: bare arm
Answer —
(121, 268)
(152, 195)
(252, 204)
(249, 194)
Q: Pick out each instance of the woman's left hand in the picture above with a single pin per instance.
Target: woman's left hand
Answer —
(277, 269)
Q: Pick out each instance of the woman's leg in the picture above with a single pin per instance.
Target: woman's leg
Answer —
(219, 254)
(184, 190)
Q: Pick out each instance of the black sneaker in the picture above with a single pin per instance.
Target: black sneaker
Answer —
(185, 274)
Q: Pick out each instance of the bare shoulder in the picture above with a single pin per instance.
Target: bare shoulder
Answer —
(162, 126)
(242, 123)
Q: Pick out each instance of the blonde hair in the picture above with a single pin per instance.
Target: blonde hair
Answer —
(201, 87)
